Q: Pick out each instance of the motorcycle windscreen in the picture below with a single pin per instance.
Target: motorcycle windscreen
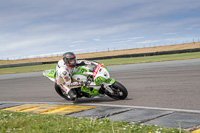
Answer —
(50, 73)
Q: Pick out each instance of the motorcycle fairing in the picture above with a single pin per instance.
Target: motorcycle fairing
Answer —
(51, 74)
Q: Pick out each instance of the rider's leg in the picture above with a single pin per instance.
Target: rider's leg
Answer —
(70, 93)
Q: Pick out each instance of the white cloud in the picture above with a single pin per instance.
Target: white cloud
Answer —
(13, 41)
(171, 33)
(81, 41)
(135, 38)
(97, 39)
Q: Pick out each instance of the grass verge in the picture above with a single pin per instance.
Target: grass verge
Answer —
(42, 123)
(116, 61)
(147, 59)
(24, 69)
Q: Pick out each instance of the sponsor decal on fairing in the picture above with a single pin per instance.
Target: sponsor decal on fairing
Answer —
(96, 70)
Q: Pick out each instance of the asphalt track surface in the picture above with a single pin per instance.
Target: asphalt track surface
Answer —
(171, 84)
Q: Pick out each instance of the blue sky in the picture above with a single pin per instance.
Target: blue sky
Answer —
(46, 27)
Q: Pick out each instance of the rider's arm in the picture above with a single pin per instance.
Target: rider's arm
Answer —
(82, 62)
(58, 65)
(68, 81)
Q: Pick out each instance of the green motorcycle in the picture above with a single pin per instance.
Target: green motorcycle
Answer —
(98, 82)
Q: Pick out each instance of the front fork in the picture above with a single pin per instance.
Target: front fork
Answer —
(107, 85)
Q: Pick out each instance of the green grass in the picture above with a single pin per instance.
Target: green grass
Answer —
(148, 59)
(118, 61)
(24, 69)
(40, 123)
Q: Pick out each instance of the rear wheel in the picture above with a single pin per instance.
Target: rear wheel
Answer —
(119, 91)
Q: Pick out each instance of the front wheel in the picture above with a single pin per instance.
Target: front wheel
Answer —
(119, 91)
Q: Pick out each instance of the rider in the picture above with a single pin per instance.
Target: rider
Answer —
(64, 71)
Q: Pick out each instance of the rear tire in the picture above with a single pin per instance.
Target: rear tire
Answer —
(120, 92)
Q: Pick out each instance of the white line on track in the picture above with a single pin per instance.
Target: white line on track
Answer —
(111, 105)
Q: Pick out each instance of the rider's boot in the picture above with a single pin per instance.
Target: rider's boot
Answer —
(102, 90)
(72, 95)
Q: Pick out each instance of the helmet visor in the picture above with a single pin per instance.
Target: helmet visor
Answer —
(72, 61)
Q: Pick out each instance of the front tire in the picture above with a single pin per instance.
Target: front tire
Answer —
(120, 92)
